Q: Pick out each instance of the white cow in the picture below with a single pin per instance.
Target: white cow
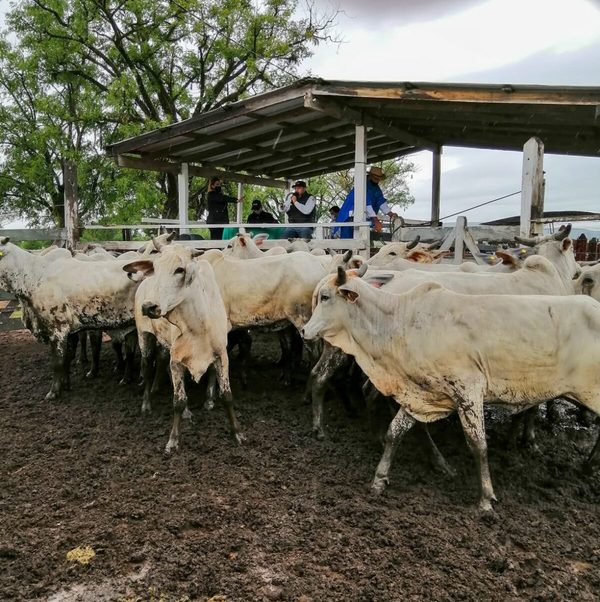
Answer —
(179, 305)
(436, 352)
(538, 277)
(63, 296)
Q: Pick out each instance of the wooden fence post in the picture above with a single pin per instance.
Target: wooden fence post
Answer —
(532, 187)
(70, 204)
(580, 248)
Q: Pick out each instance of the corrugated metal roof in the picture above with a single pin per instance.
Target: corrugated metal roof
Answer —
(307, 128)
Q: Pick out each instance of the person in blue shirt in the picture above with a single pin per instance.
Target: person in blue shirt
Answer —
(375, 203)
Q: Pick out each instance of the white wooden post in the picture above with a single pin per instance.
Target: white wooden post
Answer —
(360, 185)
(435, 186)
(239, 213)
(532, 187)
(70, 203)
(459, 239)
(183, 189)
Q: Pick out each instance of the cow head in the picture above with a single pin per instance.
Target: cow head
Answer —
(558, 249)
(5, 246)
(329, 298)
(173, 270)
(588, 282)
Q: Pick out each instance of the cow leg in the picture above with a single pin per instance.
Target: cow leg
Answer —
(118, 349)
(470, 412)
(552, 413)
(594, 458)
(83, 358)
(222, 370)
(526, 420)
(437, 459)
(161, 368)
(148, 353)
(130, 344)
(58, 350)
(399, 426)
(179, 405)
(72, 340)
(332, 359)
(96, 346)
(211, 388)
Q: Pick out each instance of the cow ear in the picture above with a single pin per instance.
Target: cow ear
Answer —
(566, 244)
(348, 293)
(190, 272)
(507, 258)
(418, 256)
(143, 266)
(4, 239)
(260, 238)
(379, 280)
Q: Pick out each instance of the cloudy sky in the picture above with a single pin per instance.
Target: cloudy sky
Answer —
(475, 41)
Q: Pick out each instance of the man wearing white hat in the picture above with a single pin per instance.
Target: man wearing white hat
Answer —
(375, 203)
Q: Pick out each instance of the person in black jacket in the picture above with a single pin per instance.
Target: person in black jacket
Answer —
(300, 207)
(217, 207)
(259, 216)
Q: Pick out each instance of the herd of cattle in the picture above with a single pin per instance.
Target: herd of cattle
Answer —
(437, 338)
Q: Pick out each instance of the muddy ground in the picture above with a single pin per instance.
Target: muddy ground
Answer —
(284, 517)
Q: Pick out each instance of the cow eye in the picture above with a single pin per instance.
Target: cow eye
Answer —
(587, 280)
(324, 296)
(392, 253)
(179, 270)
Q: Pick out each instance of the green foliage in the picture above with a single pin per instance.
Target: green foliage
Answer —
(76, 75)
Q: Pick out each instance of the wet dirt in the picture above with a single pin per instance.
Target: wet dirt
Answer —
(283, 517)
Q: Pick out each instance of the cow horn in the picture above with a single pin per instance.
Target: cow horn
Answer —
(347, 256)
(414, 243)
(435, 245)
(362, 270)
(562, 234)
(528, 242)
(171, 236)
(157, 244)
(4, 239)
(341, 276)
(197, 252)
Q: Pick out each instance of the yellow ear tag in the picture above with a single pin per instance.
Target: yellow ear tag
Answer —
(1, 254)
(523, 251)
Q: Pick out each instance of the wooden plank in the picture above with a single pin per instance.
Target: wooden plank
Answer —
(18, 234)
(183, 196)
(532, 187)
(479, 233)
(336, 244)
(360, 184)
(345, 113)
(194, 170)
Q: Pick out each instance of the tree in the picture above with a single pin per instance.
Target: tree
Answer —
(84, 73)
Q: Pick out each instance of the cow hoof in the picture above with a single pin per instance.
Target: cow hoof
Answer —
(379, 485)
(171, 448)
(51, 396)
(239, 438)
(209, 405)
(318, 434)
(186, 414)
(91, 374)
(146, 409)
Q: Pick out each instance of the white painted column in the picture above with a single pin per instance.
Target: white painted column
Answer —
(435, 186)
(70, 204)
(360, 184)
(239, 213)
(183, 190)
(532, 187)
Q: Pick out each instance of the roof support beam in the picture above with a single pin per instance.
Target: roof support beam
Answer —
(206, 172)
(345, 113)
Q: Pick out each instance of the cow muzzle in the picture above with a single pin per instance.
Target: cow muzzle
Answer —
(151, 310)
